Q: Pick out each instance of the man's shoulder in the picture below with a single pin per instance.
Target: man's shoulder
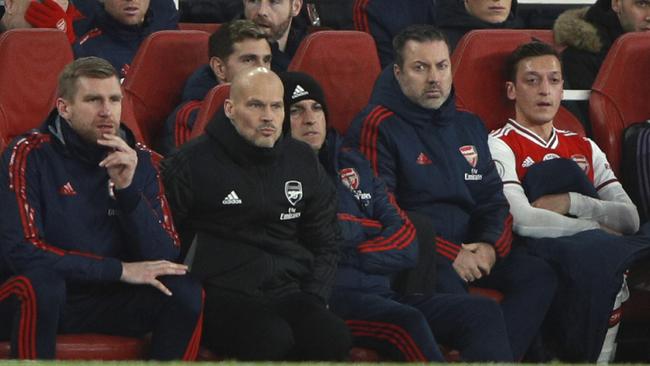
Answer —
(33, 141)
(469, 122)
(294, 150)
(376, 116)
(93, 35)
(196, 148)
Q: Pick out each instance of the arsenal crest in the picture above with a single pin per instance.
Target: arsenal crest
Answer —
(470, 154)
(582, 162)
(349, 178)
(293, 191)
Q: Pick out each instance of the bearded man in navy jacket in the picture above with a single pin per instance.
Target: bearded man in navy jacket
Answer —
(436, 161)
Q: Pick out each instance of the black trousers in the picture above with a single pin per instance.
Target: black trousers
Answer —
(38, 305)
(295, 327)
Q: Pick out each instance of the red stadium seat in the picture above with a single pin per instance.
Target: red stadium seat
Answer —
(153, 85)
(621, 93)
(30, 60)
(478, 65)
(93, 347)
(212, 102)
(205, 27)
(346, 65)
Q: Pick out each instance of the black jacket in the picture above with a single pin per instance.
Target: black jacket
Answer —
(588, 34)
(271, 213)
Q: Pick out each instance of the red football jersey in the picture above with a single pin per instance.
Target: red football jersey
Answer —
(527, 148)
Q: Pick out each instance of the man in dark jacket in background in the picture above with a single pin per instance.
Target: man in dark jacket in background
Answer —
(262, 214)
(281, 21)
(384, 19)
(435, 160)
(115, 29)
(379, 242)
(235, 46)
(83, 218)
(589, 32)
(457, 17)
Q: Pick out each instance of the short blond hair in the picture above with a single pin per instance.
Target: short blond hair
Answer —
(91, 67)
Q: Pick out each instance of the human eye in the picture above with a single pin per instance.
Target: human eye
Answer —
(532, 80)
(256, 105)
(317, 107)
(419, 67)
(643, 3)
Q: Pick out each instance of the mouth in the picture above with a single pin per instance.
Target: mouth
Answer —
(262, 23)
(267, 131)
(433, 93)
(544, 104)
(106, 128)
(131, 10)
(499, 9)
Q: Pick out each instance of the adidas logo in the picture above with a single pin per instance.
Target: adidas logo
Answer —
(231, 199)
(527, 162)
(298, 92)
(423, 160)
(67, 190)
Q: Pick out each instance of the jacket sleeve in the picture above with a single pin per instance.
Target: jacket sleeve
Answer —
(320, 232)
(145, 214)
(179, 192)
(389, 244)
(22, 244)
(490, 220)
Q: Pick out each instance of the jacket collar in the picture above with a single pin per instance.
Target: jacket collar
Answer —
(239, 149)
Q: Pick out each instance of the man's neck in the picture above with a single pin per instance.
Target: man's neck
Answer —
(544, 131)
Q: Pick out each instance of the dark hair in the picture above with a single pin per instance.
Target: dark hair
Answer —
(221, 43)
(91, 67)
(419, 33)
(526, 50)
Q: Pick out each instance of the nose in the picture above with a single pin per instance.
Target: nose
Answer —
(267, 114)
(544, 86)
(263, 8)
(434, 76)
(309, 117)
(105, 110)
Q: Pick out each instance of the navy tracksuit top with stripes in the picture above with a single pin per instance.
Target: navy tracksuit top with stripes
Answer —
(436, 162)
(378, 240)
(58, 211)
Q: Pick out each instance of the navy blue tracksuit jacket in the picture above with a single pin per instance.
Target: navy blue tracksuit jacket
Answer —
(437, 163)
(379, 241)
(65, 232)
(118, 43)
